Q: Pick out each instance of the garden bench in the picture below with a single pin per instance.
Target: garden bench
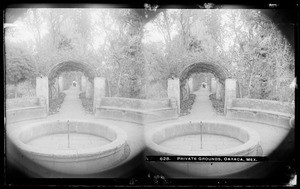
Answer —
(262, 111)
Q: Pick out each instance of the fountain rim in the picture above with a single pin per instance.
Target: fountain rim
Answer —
(107, 149)
(251, 144)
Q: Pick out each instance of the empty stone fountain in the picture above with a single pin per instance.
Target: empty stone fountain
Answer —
(71, 147)
(202, 139)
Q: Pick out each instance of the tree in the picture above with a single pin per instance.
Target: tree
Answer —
(19, 65)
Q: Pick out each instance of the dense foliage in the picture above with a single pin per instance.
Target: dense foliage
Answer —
(19, 66)
(55, 104)
(244, 41)
(87, 103)
(187, 104)
(217, 104)
(138, 57)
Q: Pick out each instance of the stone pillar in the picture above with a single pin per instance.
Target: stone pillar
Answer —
(191, 84)
(230, 92)
(61, 83)
(218, 90)
(88, 89)
(83, 83)
(42, 90)
(213, 86)
(100, 90)
(174, 92)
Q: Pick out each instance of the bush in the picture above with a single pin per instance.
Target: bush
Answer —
(217, 104)
(87, 103)
(24, 89)
(186, 105)
(55, 104)
(156, 91)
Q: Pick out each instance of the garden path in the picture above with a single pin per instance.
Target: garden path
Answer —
(71, 107)
(202, 108)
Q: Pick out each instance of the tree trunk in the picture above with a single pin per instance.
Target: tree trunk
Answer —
(249, 86)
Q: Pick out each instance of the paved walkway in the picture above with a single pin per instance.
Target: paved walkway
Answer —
(72, 106)
(202, 107)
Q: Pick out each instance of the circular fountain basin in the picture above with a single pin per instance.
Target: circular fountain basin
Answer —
(218, 139)
(77, 147)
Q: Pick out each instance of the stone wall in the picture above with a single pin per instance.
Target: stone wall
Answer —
(21, 102)
(269, 105)
(136, 110)
(132, 103)
(261, 111)
(22, 109)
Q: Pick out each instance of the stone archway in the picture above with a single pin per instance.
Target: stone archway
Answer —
(88, 70)
(219, 71)
(56, 83)
(96, 85)
(226, 87)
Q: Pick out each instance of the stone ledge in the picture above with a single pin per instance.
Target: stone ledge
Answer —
(132, 103)
(203, 169)
(24, 108)
(16, 103)
(22, 114)
(267, 105)
(72, 161)
(21, 109)
(262, 111)
(135, 110)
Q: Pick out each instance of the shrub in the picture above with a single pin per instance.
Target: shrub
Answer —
(217, 104)
(87, 103)
(55, 104)
(186, 105)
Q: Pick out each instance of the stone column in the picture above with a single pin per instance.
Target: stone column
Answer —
(88, 89)
(83, 83)
(42, 90)
(191, 84)
(213, 86)
(100, 90)
(218, 90)
(61, 83)
(174, 92)
(230, 92)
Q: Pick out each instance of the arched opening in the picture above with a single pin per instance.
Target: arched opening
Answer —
(219, 73)
(57, 80)
(88, 70)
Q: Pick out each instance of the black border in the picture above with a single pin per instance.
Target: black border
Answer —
(289, 166)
